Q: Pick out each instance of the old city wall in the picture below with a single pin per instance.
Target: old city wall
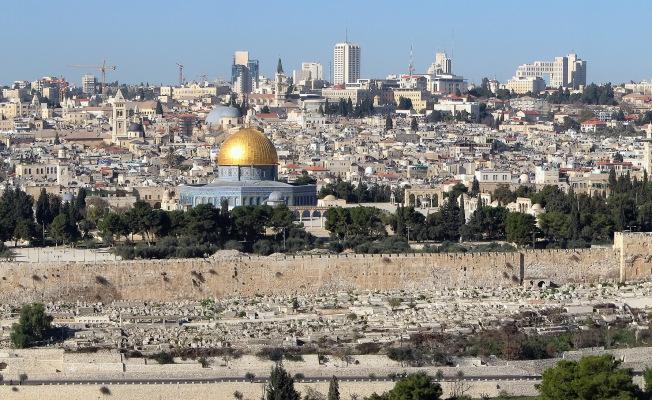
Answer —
(169, 280)
(635, 254)
(579, 265)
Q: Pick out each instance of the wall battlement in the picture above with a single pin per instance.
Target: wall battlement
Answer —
(182, 279)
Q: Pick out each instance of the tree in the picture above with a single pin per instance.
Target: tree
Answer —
(249, 222)
(63, 229)
(647, 379)
(281, 385)
(520, 228)
(418, 386)
(333, 389)
(42, 212)
(404, 103)
(592, 377)
(159, 108)
(475, 187)
(32, 326)
(612, 179)
(504, 195)
(414, 125)
(265, 109)
(113, 226)
(80, 205)
(16, 215)
(389, 123)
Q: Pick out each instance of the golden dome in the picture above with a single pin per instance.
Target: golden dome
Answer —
(247, 147)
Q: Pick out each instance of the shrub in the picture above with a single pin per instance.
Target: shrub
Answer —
(163, 358)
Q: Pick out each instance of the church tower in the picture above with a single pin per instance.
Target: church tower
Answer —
(647, 157)
(119, 117)
(280, 84)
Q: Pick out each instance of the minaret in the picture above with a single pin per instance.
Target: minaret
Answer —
(119, 117)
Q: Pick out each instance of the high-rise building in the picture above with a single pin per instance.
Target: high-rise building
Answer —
(89, 84)
(314, 69)
(346, 63)
(566, 71)
(241, 57)
(442, 65)
(244, 72)
(310, 71)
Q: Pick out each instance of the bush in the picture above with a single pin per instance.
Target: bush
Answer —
(105, 390)
(163, 358)
(233, 245)
(278, 354)
(263, 247)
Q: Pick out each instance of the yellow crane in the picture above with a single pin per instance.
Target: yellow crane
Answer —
(102, 68)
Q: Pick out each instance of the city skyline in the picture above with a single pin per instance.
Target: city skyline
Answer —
(150, 47)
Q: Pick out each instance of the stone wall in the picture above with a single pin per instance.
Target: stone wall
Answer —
(635, 254)
(224, 391)
(169, 280)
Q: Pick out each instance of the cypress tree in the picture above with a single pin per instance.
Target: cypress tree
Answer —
(462, 211)
(334, 389)
(281, 385)
(389, 124)
(475, 187)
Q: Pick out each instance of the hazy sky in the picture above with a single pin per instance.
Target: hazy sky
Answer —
(486, 38)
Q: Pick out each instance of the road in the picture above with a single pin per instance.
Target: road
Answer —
(186, 381)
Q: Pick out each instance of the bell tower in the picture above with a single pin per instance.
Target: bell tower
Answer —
(647, 157)
(119, 128)
(280, 84)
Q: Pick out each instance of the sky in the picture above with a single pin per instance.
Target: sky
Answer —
(146, 38)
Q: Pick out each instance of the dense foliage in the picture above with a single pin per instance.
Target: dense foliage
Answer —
(592, 94)
(592, 377)
(344, 107)
(416, 386)
(32, 327)
(204, 229)
(362, 193)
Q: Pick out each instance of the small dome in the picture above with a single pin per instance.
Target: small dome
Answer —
(247, 147)
(537, 207)
(220, 111)
(524, 178)
(329, 197)
(275, 196)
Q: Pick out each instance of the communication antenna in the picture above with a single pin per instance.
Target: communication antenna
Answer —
(453, 44)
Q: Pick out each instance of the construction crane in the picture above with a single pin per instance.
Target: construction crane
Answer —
(180, 74)
(102, 68)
